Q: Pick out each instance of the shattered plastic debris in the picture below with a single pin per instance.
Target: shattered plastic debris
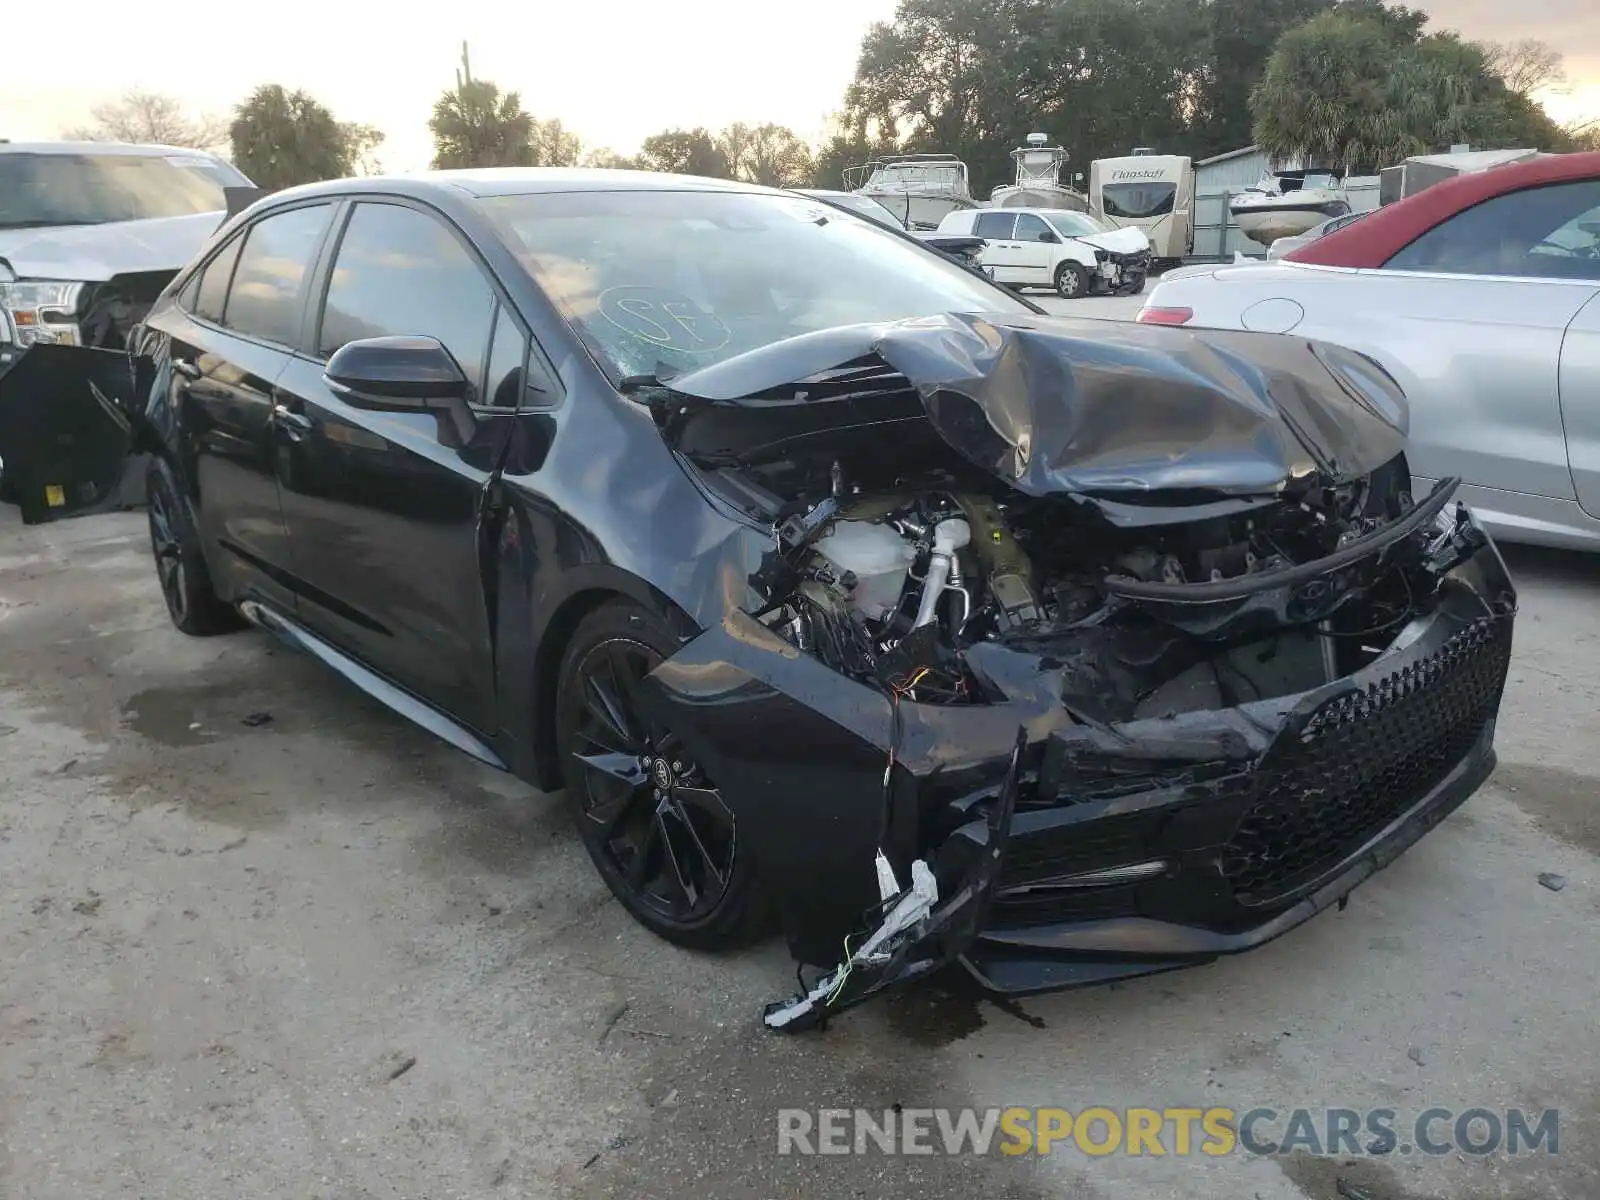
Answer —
(1554, 882)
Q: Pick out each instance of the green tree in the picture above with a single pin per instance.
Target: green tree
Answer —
(363, 141)
(685, 152)
(608, 159)
(771, 155)
(975, 77)
(1353, 89)
(282, 138)
(473, 125)
(554, 146)
(1241, 35)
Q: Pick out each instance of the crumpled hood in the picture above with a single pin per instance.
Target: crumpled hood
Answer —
(1119, 241)
(96, 253)
(1120, 412)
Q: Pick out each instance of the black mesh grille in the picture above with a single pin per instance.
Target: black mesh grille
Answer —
(1065, 849)
(1363, 759)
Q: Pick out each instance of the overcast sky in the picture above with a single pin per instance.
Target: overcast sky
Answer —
(615, 71)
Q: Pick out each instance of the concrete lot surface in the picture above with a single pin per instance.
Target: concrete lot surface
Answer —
(261, 938)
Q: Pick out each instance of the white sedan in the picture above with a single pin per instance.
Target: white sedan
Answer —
(1481, 297)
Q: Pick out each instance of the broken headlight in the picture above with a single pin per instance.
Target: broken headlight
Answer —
(42, 311)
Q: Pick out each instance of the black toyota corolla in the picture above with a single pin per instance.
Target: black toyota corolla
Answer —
(830, 579)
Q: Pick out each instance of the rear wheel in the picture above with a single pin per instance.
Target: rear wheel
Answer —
(653, 821)
(1072, 281)
(192, 603)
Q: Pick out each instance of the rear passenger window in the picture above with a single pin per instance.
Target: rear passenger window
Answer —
(264, 301)
(994, 225)
(401, 272)
(214, 282)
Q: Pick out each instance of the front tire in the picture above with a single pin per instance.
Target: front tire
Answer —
(192, 603)
(651, 819)
(1072, 281)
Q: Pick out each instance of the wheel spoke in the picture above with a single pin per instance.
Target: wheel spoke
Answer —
(710, 864)
(603, 705)
(638, 870)
(678, 871)
(621, 783)
(626, 679)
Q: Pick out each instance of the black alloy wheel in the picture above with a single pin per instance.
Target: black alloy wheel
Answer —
(181, 570)
(652, 820)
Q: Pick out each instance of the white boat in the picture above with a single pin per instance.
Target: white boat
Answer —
(920, 189)
(1287, 203)
(1038, 183)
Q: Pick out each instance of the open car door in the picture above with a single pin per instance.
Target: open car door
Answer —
(64, 439)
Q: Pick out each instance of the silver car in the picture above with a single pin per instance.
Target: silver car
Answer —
(1285, 244)
(1481, 297)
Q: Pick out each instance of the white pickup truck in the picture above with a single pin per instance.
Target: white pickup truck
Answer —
(90, 232)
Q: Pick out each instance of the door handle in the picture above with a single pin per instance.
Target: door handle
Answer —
(185, 368)
(295, 423)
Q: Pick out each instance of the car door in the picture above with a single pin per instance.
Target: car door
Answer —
(1001, 253)
(229, 338)
(1038, 249)
(384, 508)
(1470, 319)
(1580, 386)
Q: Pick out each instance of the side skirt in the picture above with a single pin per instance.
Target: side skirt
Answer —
(373, 684)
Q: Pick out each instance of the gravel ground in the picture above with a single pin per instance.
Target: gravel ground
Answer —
(262, 938)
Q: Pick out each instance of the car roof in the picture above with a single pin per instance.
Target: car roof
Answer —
(1038, 212)
(127, 149)
(1386, 231)
(521, 181)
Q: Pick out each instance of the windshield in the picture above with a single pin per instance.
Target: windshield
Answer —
(92, 189)
(1138, 199)
(677, 280)
(1072, 224)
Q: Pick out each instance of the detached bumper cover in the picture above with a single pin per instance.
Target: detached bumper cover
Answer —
(1132, 847)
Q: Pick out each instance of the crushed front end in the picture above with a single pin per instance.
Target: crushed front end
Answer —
(1179, 666)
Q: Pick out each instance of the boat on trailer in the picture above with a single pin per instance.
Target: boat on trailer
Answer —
(1038, 181)
(1287, 203)
(920, 189)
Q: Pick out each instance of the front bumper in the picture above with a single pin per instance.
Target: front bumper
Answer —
(1132, 847)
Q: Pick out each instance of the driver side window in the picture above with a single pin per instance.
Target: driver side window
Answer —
(399, 272)
(1549, 232)
(1034, 229)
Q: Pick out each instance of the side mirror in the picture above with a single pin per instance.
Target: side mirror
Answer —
(397, 374)
(1047, 236)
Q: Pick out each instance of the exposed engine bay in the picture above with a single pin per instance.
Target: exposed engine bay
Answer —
(888, 590)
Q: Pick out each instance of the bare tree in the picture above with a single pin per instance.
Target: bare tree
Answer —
(1527, 65)
(149, 117)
